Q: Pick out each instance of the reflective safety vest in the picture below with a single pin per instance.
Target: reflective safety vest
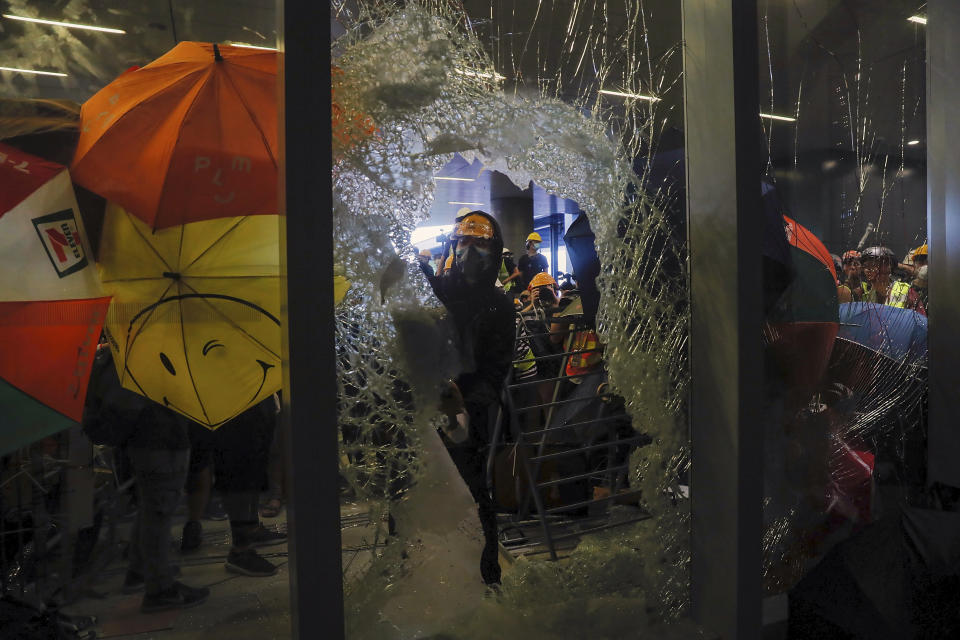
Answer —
(898, 295)
(508, 286)
(581, 363)
(899, 292)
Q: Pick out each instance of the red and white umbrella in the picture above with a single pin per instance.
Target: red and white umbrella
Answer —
(51, 305)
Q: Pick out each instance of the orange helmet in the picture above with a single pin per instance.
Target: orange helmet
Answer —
(542, 279)
(474, 225)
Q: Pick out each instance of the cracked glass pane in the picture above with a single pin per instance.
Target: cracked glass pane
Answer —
(843, 114)
(579, 102)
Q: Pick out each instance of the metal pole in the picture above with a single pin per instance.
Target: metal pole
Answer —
(724, 164)
(943, 229)
(309, 378)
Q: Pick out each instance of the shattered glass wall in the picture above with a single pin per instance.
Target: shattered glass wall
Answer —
(843, 114)
(576, 98)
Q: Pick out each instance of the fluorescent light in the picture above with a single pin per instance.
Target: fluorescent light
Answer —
(770, 116)
(423, 234)
(452, 178)
(39, 73)
(475, 204)
(913, 142)
(69, 25)
(917, 19)
(244, 45)
(480, 74)
(630, 95)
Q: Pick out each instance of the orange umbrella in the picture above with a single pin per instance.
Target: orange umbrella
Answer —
(189, 137)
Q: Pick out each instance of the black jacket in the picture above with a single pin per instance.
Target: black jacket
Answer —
(485, 322)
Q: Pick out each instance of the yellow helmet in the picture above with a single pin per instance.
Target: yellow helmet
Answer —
(920, 251)
(542, 279)
(474, 225)
(425, 253)
(534, 237)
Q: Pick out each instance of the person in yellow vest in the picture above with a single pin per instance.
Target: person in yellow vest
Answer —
(879, 286)
(509, 272)
(850, 288)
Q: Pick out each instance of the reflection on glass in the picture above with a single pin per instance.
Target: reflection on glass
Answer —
(845, 286)
(145, 105)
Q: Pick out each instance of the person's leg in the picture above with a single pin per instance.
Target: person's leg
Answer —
(241, 461)
(199, 487)
(160, 476)
(470, 461)
(275, 477)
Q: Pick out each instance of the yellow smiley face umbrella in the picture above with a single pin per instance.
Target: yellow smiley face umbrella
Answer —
(195, 318)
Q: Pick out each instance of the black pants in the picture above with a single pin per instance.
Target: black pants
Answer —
(470, 460)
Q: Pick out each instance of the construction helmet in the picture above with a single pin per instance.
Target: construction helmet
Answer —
(920, 251)
(425, 253)
(542, 279)
(853, 254)
(474, 225)
(535, 237)
(878, 253)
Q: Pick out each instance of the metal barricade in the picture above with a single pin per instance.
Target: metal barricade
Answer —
(561, 420)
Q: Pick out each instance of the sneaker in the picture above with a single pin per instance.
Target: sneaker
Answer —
(178, 596)
(215, 510)
(249, 563)
(190, 539)
(133, 581)
(263, 537)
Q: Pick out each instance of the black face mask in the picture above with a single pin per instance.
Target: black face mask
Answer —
(473, 263)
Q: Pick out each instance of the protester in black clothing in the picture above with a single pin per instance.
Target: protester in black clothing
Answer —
(239, 452)
(423, 258)
(484, 320)
(532, 262)
(158, 448)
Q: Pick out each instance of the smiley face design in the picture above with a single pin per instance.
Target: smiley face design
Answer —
(206, 356)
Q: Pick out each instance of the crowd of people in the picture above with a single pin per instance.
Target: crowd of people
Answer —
(875, 275)
(168, 456)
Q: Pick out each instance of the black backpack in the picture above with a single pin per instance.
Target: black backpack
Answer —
(110, 413)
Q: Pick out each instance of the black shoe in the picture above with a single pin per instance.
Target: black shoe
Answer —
(133, 582)
(190, 539)
(263, 537)
(249, 563)
(179, 596)
(215, 510)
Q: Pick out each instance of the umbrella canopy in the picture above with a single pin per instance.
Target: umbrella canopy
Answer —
(900, 334)
(812, 295)
(194, 323)
(191, 136)
(803, 322)
(51, 305)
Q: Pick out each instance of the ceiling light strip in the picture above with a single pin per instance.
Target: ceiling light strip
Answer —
(771, 116)
(917, 19)
(452, 178)
(475, 204)
(244, 45)
(621, 94)
(69, 25)
(39, 73)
